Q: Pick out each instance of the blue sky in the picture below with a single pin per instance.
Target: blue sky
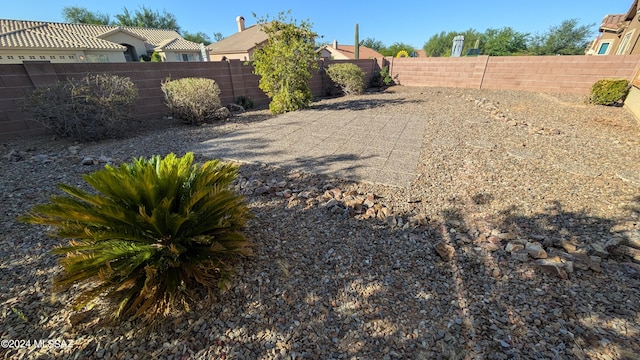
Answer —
(408, 21)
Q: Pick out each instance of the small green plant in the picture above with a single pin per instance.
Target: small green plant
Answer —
(245, 102)
(145, 58)
(150, 234)
(193, 100)
(349, 77)
(609, 92)
(156, 57)
(90, 108)
(381, 78)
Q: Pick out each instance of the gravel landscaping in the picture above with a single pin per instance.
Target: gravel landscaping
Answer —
(519, 239)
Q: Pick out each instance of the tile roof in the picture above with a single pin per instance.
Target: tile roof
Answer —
(612, 22)
(241, 41)
(349, 51)
(49, 35)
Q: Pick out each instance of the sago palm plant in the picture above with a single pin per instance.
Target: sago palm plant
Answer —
(151, 233)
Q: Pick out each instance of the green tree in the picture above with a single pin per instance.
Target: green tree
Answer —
(440, 44)
(199, 37)
(147, 18)
(217, 36)
(372, 43)
(80, 15)
(396, 47)
(568, 38)
(285, 64)
(503, 42)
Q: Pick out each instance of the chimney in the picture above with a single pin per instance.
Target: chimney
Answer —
(240, 21)
(335, 44)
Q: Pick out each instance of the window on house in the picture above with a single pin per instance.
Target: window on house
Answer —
(604, 47)
(185, 57)
(624, 44)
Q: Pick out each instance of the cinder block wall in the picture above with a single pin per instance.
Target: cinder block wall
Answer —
(235, 78)
(564, 74)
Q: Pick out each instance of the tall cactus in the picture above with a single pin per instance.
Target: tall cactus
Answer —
(356, 46)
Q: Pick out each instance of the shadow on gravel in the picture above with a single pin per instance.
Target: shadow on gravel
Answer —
(323, 289)
(590, 308)
(362, 104)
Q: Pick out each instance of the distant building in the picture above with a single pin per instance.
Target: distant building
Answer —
(240, 45)
(23, 40)
(347, 52)
(619, 34)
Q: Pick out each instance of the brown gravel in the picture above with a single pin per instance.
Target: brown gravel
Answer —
(430, 278)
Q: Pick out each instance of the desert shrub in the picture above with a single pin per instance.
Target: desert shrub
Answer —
(148, 235)
(349, 77)
(609, 92)
(193, 100)
(245, 102)
(381, 78)
(156, 57)
(86, 109)
(285, 63)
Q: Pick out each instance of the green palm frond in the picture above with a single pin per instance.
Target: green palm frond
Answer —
(151, 232)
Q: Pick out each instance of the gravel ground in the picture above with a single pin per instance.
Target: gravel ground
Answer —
(518, 240)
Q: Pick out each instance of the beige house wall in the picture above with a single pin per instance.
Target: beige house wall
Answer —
(328, 54)
(18, 56)
(122, 38)
(633, 102)
(103, 56)
(177, 56)
(242, 55)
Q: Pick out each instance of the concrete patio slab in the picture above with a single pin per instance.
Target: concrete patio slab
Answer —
(345, 144)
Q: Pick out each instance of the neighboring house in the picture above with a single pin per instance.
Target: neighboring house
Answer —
(240, 45)
(76, 43)
(347, 52)
(619, 34)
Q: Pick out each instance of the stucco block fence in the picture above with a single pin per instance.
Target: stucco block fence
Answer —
(234, 77)
(563, 74)
(559, 74)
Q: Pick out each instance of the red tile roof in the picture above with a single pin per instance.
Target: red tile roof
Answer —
(364, 52)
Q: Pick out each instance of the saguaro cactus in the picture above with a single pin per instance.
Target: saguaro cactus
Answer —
(356, 46)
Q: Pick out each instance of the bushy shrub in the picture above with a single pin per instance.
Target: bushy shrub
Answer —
(381, 78)
(245, 102)
(86, 109)
(285, 63)
(150, 234)
(609, 92)
(156, 57)
(193, 100)
(349, 77)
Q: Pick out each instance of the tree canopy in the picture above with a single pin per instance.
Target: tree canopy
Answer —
(148, 18)
(199, 37)
(396, 47)
(80, 15)
(568, 38)
(372, 43)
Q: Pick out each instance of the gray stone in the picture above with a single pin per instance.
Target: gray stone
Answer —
(552, 266)
(511, 247)
(536, 251)
(521, 255)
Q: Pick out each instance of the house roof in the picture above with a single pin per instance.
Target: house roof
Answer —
(349, 51)
(612, 22)
(50, 35)
(244, 40)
